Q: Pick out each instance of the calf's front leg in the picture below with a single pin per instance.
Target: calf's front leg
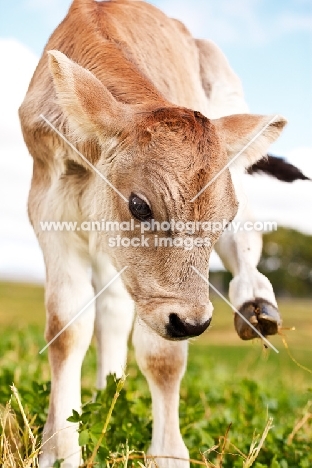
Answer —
(68, 291)
(163, 364)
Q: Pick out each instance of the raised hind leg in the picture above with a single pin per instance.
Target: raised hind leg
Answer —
(250, 291)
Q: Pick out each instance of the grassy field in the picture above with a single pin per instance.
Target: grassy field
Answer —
(231, 388)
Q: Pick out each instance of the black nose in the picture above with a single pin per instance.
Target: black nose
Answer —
(179, 330)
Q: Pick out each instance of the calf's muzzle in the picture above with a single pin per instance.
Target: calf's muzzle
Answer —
(175, 319)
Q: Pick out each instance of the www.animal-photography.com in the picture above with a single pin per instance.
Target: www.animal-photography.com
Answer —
(156, 234)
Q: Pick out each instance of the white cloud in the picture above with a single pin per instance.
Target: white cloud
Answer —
(301, 157)
(20, 256)
(18, 62)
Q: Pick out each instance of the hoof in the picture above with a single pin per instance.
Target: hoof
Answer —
(262, 315)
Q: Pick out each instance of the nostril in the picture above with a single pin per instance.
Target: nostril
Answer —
(177, 328)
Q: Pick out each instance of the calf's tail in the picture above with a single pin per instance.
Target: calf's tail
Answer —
(277, 167)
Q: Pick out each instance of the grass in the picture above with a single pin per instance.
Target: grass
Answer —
(229, 394)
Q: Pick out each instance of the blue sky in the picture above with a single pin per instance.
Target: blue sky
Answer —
(268, 43)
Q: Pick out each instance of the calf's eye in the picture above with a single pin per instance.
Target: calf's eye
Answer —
(139, 208)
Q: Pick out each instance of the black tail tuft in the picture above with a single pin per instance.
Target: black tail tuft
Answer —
(279, 168)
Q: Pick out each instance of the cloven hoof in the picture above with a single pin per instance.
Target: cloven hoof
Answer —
(262, 315)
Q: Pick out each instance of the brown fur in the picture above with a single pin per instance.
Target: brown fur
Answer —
(61, 347)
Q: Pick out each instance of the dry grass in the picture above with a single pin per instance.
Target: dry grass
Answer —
(221, 449)
(19, 447)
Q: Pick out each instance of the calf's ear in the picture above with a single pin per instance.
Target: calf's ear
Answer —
(90, 109)
(247, 137)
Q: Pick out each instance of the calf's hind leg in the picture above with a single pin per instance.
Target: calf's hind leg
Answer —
(163, 364)
(250, 291)
(113, 323)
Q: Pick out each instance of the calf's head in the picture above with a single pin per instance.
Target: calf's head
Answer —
(159, 157)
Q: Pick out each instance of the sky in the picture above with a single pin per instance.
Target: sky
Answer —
(268, 44)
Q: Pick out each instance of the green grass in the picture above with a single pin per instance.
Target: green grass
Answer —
(228, 383)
